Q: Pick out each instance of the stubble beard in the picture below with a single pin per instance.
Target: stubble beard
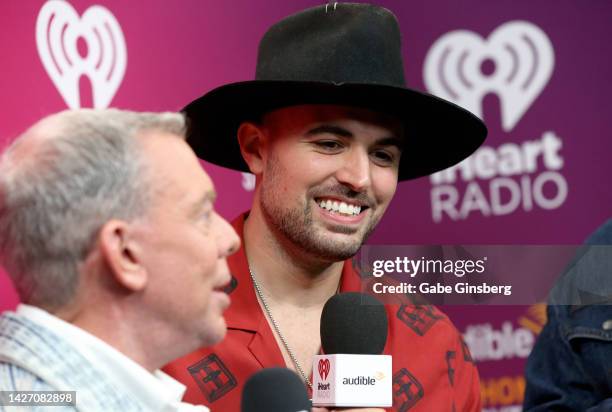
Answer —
(296, 224)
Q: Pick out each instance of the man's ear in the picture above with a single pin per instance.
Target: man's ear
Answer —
(119, 250)
(252, 143)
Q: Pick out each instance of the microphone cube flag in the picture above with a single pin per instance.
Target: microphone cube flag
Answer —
(347, 380)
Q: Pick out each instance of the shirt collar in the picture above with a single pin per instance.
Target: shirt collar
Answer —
(240, 314)
(156, 390)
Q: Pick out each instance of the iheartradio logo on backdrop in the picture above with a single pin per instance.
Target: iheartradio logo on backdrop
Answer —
(324, 366)
(515, 63)
(59, 30)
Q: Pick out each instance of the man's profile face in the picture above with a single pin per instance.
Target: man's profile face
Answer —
(184, 244)
(329, 174)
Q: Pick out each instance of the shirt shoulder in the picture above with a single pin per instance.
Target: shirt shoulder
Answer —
(15, 378)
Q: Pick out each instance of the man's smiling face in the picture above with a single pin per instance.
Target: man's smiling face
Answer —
(329, 174)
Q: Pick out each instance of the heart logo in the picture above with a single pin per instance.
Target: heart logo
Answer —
(59, 29)
(324, 367)
(515, 63)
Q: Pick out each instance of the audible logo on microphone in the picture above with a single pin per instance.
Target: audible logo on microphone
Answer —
(359, 380)
(350, 380)
(324, 366)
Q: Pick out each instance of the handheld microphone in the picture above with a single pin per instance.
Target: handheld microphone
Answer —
(353, 373)
(274, 389)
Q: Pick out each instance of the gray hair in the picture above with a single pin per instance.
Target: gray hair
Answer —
(60, 182)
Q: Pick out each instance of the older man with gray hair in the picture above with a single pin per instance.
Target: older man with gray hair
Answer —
(108, 232)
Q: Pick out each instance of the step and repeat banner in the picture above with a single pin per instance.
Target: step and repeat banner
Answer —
(536, 72)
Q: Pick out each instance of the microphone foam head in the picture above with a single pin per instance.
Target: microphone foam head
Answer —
(353, 323)
(275, 389)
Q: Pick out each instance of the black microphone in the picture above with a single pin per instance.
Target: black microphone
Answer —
(274, 390)
(353, 373)
(353, 323)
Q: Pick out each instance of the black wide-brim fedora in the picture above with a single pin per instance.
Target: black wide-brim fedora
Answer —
(340, 54)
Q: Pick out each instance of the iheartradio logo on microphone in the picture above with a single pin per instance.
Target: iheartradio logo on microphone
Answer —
(514, 63)
(324, 366)
(102, 58)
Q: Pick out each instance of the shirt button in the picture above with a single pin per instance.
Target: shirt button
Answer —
(607, 325)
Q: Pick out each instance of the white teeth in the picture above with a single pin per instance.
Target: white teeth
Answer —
(340, 207)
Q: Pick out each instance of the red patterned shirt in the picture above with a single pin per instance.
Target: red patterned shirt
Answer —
(432, 367)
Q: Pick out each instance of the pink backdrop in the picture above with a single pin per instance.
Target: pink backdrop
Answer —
(536, 72)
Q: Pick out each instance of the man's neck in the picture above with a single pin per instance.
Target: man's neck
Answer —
(110, 330)
(124, 330)
(287, 275)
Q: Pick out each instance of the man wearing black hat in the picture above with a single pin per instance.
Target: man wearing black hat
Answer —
(323, 127)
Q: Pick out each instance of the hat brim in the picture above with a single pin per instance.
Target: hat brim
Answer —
(438, 133)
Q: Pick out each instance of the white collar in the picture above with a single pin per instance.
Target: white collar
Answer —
(157, 390)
